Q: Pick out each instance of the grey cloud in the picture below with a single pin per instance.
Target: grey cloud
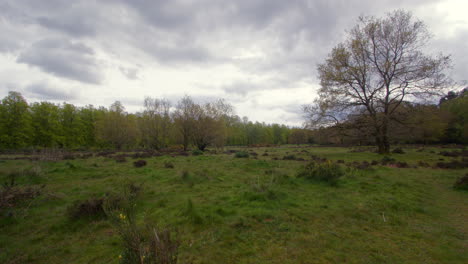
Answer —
(130, 73)
(44, 91)
(75, 26)
(63, 58)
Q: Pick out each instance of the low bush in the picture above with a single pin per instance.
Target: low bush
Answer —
(402, 164)
(197, 152)
(120, 159)
(139, 163)
(11, 194)
(462, 183)
(89, 208)
(99, 207)
(387, 160)
(328, 172)
(398, 151)
(289, 157)
(463, 153)
(454, 164)
(168, 165)
(141, 243)
(253, 154)
(141, 155)
(241, 154)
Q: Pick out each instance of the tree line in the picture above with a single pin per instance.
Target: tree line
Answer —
(187, 124)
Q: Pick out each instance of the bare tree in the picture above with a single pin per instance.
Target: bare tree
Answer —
(380, 65)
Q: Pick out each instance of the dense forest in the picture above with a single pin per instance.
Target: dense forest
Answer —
(44, 124)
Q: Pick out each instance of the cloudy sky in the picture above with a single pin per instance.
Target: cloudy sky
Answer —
(260, 55)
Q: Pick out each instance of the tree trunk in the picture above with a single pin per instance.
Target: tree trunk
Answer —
(382, 141)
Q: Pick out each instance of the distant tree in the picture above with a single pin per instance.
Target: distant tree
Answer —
(378, 66)
(298, 136)
(89, 116)
(155, 123)
(15, 122)
(116, 127)
(455, 106)
(47, 130)
(71, 126)
(209, 126)
(184, 118)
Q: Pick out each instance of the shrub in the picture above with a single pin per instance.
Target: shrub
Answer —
(141, 155)
(462, 183)
(398, 151)
(289, 157)
(141, 244)
(120, 159)
(387, 160)
(454, 164)
(69, 156)
(168, 165)
(12, 195)
(423, 164)
(242, 154)
(253, 154)
(139, 163)
(454, 153)
(401, 164)
(361, 166)
(90, 208)
(99, 207)
(197, 152)
(328, 172)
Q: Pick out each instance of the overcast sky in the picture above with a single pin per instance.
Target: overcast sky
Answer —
(260, 55)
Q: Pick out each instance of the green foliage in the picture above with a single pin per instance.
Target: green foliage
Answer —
(15, 122)
(328, 172)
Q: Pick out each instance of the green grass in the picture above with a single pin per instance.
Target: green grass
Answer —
(249, 210)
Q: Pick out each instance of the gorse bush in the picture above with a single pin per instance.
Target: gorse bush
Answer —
(141, 243)
(328, 172)
(241, 154)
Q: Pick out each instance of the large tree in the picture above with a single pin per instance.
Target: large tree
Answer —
(380, 65)
(15, 122)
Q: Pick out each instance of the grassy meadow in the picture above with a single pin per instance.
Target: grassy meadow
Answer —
(225, 209)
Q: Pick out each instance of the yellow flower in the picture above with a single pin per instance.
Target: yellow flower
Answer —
(122, 216)
(120, 256)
